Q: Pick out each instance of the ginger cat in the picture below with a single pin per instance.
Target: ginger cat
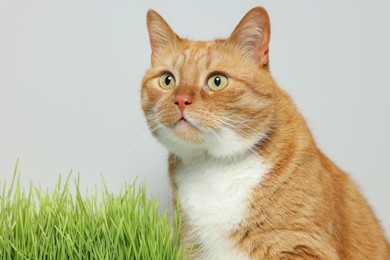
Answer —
(251, 182)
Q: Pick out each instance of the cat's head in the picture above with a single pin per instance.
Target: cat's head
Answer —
(213, 97)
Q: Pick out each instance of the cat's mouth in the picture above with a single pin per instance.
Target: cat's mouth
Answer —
(183, 122)
(182, 119)
(186, 129)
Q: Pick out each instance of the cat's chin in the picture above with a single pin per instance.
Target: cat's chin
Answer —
(187, 132)
(186, 140)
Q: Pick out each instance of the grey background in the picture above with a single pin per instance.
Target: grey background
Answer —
(70, 74)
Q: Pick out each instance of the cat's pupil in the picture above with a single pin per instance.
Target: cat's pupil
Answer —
(168, 80)
(217, 81)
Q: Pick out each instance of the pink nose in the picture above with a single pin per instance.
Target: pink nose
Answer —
(183, 100)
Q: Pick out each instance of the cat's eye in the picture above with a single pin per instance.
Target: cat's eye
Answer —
(217, 82)
(167, 81)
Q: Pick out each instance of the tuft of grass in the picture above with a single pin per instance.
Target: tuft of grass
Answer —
(56, 224)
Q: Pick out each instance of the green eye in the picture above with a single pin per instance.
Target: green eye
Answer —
(217, 82)
(167, 81)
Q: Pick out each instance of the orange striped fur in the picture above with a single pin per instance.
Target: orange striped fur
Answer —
(302, 207)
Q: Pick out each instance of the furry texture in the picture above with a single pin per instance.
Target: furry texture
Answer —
(250, 180)
(213, 194)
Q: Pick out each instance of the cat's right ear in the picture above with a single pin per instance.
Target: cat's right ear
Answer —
(160, 34)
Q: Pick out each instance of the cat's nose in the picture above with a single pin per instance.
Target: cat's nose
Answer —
(182, 101)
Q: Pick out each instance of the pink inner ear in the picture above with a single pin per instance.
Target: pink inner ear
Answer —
(252, 35)
(160, 33)
(264, 50)
(153, 42)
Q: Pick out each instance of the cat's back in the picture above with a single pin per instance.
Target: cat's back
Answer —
(357, 231)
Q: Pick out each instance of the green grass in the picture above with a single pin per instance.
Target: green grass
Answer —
(56, 224)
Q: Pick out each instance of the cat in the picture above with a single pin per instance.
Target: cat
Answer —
(249, 178)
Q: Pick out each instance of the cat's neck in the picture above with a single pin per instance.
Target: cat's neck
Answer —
(203, 156)
(290, 139)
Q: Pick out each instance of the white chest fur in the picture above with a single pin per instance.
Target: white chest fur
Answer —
(214, 195)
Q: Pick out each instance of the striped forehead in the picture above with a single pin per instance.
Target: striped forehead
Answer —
(192, 61)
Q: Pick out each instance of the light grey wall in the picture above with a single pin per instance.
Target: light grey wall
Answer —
(70, 74)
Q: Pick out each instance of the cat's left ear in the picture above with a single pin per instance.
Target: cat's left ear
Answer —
(160, 33)
(252, 35)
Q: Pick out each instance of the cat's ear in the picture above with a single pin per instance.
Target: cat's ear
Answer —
(160, 34)
(252, 35)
